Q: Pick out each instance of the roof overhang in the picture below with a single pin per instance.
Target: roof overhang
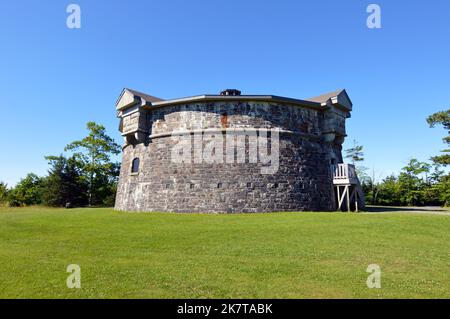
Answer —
(337, 98)
(129, 98)
(126, 100)
(237, 98)
(342, 100)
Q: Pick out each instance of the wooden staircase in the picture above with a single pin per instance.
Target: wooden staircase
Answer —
(347, 188)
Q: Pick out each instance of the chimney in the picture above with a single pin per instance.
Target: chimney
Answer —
(232, 92)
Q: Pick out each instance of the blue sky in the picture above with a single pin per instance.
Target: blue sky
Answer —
(53, 79)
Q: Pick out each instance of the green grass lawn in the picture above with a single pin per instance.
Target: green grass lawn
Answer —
(282, 255)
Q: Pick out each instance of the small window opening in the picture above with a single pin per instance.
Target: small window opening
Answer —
(135, 165)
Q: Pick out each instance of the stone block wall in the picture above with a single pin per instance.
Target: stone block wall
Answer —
(303, 181)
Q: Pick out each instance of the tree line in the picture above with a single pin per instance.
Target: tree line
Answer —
(86, 176)
(417, 183)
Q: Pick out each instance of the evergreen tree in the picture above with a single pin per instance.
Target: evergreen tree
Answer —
(389, 192)
(412, 184)
(441, 118)
(442, 185)
(64, 185)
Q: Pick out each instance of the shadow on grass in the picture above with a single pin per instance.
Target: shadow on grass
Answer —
(382, 209)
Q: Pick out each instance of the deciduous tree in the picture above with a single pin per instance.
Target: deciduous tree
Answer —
(3, 193)
(93, 154)
(27, 192)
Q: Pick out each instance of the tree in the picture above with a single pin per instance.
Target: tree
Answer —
(442, 181)
(27, 192)
(363, 176)
(4, 192)
(416, 168)
(93, 155)
(64, 184)
(371, 187)
(419, 183)
(355, 154)
(389, 192)
(441, 118)
(436, 173)
(443, 190)
(412, 184)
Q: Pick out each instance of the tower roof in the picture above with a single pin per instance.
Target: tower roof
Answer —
(130, 98)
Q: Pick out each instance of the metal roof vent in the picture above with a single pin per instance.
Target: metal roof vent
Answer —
(233, 92)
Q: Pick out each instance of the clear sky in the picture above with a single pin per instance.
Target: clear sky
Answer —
(54, 79)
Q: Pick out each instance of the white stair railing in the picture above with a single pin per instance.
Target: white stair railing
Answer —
(343, 171)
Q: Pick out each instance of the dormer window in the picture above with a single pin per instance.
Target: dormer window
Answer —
(135, 166)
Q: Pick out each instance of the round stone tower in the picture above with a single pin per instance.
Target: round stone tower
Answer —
(230, 152)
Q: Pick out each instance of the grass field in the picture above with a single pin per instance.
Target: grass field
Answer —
(283, 255)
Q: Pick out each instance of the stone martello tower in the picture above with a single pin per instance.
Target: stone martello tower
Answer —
(305, 135)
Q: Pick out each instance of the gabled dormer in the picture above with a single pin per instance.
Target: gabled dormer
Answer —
(131, 110)
(337, 106)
